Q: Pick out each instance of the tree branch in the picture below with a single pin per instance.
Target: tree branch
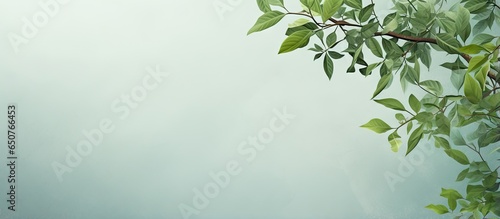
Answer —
(342, 23)
(408, 38)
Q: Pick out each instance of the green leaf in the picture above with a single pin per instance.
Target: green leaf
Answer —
(355, 58)
(482, 38)
(400, 117)
(441, 142)
(328, 66)
(475, 5)
(462, 174)
(472, 89)
(314, 5)
(439, 209)
(335, 55)
(395, 141)
(317, 56)
(448, 43)
(308, 26)
(276, 3)
(368, 30)
(375, 47)
(457, 138)
(331, 39)
(415, 137)
(330, 7)
(368, 70)
(476, 62)
(377, 125)
(382, 84)
(267, 20)
(366, 13)
(414, 103)
(434, 87)
(457, 65)
(264, 5)
(477, 214)
(357, 4)
(471, 49)
(457, 78)
(391, 26)
(298, 22)
(490, 179)
(297, 40)
(492, 136)
(482, 75)
(463, 22)
(452, 196)
(457, 155)
(391, 103)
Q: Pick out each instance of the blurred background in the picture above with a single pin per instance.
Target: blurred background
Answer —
(183, 91)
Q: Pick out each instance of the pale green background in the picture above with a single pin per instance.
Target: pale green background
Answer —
(222, 88)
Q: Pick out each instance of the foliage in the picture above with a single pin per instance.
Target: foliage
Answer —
(403, 43)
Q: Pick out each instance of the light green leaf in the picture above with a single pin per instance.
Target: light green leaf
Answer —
(441, 142)
(391, 103)
(452, 196)
(476, 62)
(267, 20)
(298, 22)
(434, 87)
(482, 75)
(477, 214)
(457, 155)
(264, 5)
(472, 89)
(395, 141)
(276, 3)
(457, 137)
(471, 49)
(400, 117)
(439, 209)
(330, 7)
(391, 26)
(414, 103)
(377, 125)
(296, 40)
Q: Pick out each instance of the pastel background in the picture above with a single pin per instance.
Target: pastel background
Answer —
(217, 88)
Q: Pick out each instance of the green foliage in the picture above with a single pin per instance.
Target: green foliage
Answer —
(395, 47)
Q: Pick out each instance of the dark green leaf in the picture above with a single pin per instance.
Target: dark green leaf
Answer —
(415, 137)
(382, 84)
(328, 66)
